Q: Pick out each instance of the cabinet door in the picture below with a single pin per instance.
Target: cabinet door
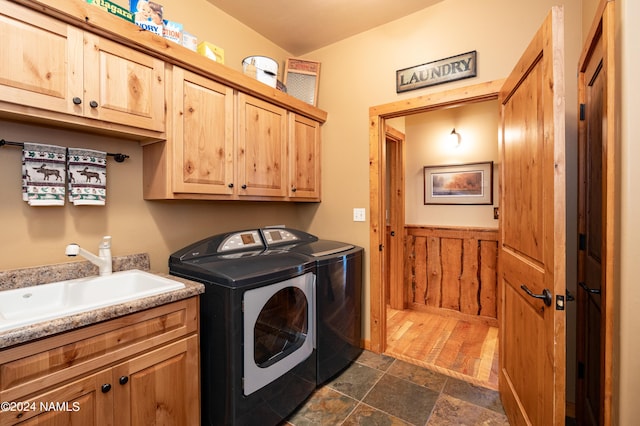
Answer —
(262, 148)
(202, 135)
(80, 403)
(123, 85)
(304, 158)
(159, 388)
(41, 61)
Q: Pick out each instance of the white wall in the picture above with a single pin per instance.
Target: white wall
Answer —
(428, 144)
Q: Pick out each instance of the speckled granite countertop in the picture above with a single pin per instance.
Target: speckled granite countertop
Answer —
(26, 277)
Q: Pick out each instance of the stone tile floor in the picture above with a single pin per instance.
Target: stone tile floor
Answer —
(380, 390)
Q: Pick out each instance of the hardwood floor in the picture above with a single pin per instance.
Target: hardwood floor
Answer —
(451, 346)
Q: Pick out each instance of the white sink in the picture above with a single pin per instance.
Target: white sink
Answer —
(30, 305)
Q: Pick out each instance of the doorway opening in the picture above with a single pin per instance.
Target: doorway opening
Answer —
(406, 323)
(532, 223)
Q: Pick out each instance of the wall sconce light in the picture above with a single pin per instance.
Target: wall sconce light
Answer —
(455, 138)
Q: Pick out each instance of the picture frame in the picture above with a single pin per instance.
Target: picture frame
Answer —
(465, 184)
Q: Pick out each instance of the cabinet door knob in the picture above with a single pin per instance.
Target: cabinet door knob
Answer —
(123, 380)
(106, 388)
(230, 185)
(294, 189)
(244, 186)
(93, 104)
(77, 100)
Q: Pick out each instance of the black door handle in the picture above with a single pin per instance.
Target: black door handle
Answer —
(393, 233)
(546, 294)
(570, 297)
(588, 289)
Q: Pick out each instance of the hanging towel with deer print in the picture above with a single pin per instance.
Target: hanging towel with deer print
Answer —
(43, 173)
(87, 177)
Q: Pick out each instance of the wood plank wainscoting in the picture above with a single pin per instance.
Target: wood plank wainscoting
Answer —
(450, 285)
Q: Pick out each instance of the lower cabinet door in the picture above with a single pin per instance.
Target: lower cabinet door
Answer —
(84, 402)
(159, 388)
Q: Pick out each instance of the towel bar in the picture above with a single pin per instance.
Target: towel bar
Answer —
(119, 157)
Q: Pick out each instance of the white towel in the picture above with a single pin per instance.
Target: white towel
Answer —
(87, 177)
(43, 172)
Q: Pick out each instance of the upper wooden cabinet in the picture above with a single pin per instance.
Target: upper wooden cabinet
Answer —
(226, 145)
(262, 148)
(122, 85)
(209, 132)
(202, 136)
(304, 158)
(55, 71)
(43, 63)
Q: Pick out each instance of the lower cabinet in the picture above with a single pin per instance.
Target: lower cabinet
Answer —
(139, 369)
(78, 403)
(159, 388)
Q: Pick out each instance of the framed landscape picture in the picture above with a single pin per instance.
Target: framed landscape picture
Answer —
(470, 183)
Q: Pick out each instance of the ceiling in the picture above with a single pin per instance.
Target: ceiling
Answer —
(301, 26)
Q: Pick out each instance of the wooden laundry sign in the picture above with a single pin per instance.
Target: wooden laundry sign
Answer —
(437, 72)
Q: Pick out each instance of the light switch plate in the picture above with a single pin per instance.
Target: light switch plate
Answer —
(358, 215)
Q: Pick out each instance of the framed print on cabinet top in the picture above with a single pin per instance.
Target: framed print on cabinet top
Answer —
(469, 184)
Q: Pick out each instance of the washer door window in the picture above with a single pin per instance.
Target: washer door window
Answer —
(278, 330)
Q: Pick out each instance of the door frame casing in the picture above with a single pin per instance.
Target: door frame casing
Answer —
(377, 179)
(395, 152)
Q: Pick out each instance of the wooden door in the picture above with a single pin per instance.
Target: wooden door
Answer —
(532, 232)
(203, 119)
(262, 148)
(304, 158)
(394, 272)
(123, 85)
(159, 388)
(595, 204)
(41, 61)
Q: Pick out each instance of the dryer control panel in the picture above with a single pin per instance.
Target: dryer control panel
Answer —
(249, 242)
(241, 241)
(275, 236)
